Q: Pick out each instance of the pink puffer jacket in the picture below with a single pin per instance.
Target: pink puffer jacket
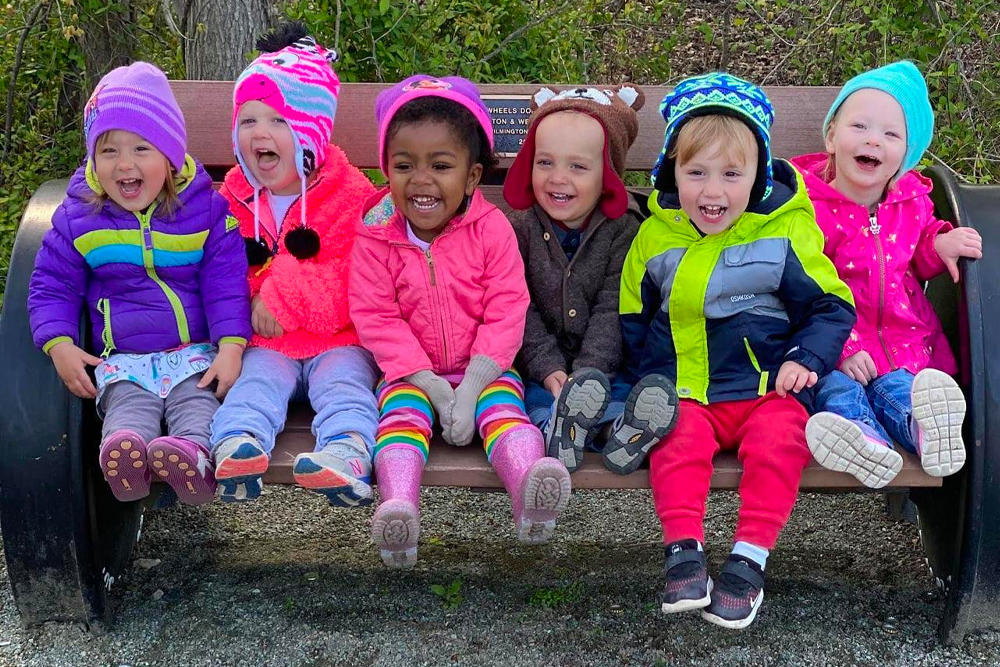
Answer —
(435, 310)
(883, 259)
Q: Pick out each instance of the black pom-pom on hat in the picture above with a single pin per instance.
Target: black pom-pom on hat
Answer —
(284, 35)
(302, 242)
(257, 251)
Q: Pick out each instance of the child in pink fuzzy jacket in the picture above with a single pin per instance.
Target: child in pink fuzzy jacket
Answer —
(894, 379)
(297, 199)
(438, 295)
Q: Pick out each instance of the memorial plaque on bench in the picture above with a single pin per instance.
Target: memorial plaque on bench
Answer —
(510, 122)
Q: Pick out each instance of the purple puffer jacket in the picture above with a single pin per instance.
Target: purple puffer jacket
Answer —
(152, 282)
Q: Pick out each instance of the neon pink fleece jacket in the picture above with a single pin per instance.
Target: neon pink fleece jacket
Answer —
(308, 297)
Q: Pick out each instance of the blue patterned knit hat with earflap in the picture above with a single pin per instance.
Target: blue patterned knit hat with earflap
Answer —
(717, 93)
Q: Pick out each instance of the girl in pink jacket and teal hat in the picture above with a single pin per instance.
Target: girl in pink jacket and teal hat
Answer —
(437, 293)
(894, 379)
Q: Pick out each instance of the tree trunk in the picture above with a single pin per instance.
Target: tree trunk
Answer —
(220, 34)
(109, 41)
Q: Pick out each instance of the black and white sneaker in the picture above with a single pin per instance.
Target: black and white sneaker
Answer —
(688, 585)
(650, 414)
(580, 405)
(737, 595)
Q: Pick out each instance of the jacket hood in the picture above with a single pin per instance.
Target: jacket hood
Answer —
(910, 185)
(788, 193)
(381, 220)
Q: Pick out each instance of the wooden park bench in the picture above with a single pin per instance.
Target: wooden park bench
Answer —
(66, 539)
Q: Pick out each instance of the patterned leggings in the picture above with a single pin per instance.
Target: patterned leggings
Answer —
(406, 416)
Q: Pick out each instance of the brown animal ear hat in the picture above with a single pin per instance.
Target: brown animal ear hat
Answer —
(614, 108)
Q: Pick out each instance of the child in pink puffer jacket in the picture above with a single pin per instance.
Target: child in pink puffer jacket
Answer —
(894, 379)
(437, 293)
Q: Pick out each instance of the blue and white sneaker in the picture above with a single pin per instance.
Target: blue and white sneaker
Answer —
(240, 462)
(339, 472)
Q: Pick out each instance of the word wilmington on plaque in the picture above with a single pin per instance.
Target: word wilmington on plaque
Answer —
(510, 122)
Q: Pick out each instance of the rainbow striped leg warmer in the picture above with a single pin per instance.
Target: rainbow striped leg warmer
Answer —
(500, 410)
(405, 418)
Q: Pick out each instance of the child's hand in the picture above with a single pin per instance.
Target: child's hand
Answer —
(959, 242)
(555, 381)
(463, 416)
(793, 376)
(225, 369)
(263, 321)
(860, 367)
(71, 365)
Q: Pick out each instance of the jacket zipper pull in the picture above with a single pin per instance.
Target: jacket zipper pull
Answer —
(102, 309)
(873, 225)
(430, 265)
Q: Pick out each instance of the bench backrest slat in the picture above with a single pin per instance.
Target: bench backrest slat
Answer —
(207, 106)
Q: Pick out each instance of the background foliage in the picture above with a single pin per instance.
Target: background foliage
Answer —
(774, 42)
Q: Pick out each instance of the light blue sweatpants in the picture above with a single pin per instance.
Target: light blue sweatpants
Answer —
(339, 385)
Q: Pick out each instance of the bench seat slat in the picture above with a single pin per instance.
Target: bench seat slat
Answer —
(467, 466)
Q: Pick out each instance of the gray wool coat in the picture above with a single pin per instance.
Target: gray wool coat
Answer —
(573, 317)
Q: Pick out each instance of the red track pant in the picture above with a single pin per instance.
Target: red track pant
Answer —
(769, 434)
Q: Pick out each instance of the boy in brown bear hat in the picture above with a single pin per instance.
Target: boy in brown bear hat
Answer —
(575, 222)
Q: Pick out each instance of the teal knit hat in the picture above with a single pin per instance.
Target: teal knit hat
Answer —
(717, 93)
(904, 82)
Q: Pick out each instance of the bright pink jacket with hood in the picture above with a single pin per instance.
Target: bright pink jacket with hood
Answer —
(884, 258)
(435, 310)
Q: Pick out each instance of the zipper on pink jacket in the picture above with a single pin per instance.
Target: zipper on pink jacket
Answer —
(875, 228)
(444, 335)
(433, 275)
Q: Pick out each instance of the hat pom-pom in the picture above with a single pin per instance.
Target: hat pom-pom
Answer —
(302, 242)
(257, 252)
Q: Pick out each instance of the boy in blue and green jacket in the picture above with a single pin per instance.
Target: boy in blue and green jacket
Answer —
(726, 292)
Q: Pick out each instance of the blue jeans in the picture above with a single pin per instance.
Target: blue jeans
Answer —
(884, 405)
(338, 383)
(539, 404)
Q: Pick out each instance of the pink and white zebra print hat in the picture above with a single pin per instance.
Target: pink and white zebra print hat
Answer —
(298, 82)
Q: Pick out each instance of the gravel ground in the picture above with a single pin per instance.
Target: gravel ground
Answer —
(290, 582)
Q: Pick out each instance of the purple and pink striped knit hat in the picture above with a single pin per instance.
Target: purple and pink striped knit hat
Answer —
(299, 83)
(454, 88)
(137, 98)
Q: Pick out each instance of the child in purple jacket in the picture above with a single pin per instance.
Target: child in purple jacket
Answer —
(150, 248)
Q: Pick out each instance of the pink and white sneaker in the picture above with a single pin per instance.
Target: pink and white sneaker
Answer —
(186, 466)
(844, 445)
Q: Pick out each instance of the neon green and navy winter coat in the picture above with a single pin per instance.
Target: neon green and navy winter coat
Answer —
(719, 314)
